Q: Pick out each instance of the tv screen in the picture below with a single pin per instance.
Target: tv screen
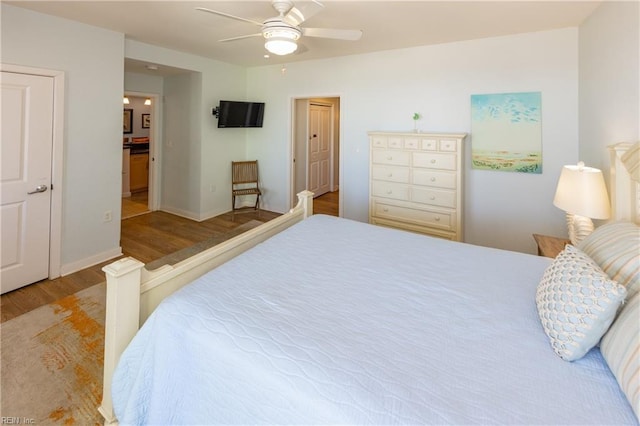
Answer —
(240, 114)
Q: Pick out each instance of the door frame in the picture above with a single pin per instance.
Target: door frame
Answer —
(57, 159)
(155, 153)
(292, 146)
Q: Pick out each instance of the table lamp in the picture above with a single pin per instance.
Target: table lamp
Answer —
(581, 193)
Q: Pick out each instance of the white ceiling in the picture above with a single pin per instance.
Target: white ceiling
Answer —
(385, 24)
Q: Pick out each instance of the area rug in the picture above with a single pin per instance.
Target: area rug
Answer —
(52, 361)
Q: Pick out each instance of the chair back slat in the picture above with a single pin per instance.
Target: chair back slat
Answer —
(244, 172)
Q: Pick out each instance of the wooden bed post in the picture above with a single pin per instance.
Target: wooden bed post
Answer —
(306, 198)
(121, 323)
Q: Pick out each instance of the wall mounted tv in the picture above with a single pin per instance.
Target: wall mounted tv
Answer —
(239, 114)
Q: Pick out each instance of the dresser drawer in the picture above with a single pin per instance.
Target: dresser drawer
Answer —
(416, 216)
(433, 178)
(394, 142)
(395, 191)
(391, 174)
(429, 145)
(433, 197)
(411, 143)
(448, 145)
(378, 142)
(396, 158)
(434, 160)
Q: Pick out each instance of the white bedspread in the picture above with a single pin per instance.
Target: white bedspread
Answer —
(334, 321)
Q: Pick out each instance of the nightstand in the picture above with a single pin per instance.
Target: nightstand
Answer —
(550, 246)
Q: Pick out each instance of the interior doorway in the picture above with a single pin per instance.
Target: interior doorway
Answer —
(315, 148)
(140, 186)
(33, 109)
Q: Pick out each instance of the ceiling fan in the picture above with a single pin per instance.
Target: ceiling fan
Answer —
(282, 32)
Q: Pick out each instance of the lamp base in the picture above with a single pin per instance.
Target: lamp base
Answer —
(579, 227)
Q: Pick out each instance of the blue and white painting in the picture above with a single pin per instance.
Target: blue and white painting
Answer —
(506, 132)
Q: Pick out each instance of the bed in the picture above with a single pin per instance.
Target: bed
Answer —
(311, 319)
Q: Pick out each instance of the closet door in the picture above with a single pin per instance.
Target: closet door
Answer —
(25, 180)
(319, 150)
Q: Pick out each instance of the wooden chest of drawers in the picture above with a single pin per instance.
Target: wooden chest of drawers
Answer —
(416, 182)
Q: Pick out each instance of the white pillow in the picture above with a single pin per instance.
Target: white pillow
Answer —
(577, 303)
(615, 247)
(620, 347)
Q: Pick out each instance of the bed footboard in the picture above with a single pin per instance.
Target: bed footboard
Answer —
(134, 292)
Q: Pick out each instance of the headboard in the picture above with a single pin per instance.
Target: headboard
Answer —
(625, 181)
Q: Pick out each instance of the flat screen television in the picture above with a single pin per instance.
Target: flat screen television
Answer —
(240, 114)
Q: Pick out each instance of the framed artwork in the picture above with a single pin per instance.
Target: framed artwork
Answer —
(146, 121)
(127, 121)
(506, 132)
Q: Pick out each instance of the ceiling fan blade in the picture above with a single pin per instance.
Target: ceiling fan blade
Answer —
(332, 33)
(226, 15)
(241, 37)
(301, 49)
(303, 11)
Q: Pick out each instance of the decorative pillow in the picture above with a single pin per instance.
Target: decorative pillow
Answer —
(577, 303)
(615, 247)
(620, 347)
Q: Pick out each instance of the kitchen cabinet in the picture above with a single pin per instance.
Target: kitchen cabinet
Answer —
(126, 189)
(139, 171)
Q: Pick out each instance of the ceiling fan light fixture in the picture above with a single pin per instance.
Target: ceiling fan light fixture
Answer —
(280, 40)
(281, 46)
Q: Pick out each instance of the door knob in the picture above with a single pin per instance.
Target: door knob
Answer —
(39, 188)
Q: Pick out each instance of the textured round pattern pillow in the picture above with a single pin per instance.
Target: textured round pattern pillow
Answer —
(577, 302)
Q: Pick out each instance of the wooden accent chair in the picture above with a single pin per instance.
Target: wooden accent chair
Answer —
(244, 181)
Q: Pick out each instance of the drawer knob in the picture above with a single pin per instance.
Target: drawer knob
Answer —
(432, 198)
(389, 191)
(437, 218)
(433, 161)
(433, 179)
(390, 175)
(385, 210)
(389, 158)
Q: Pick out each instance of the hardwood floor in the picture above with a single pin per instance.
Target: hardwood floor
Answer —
(136, 204)
(327, 204)
(146, 237)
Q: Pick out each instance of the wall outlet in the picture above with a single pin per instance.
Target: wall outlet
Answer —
(212, 188)
(107, 216)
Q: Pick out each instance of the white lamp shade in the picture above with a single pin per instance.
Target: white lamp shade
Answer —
(280, 45)
(581, 191)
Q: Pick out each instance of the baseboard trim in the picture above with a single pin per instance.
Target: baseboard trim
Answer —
(180, 212)
(72, 267)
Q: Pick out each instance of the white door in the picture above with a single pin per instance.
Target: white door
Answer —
(319, 167)
(25, 178)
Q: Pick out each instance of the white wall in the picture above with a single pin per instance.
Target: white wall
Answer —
(93, 60)
(381, 91)
(181, 161)
(609, 81)
(143, 83)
